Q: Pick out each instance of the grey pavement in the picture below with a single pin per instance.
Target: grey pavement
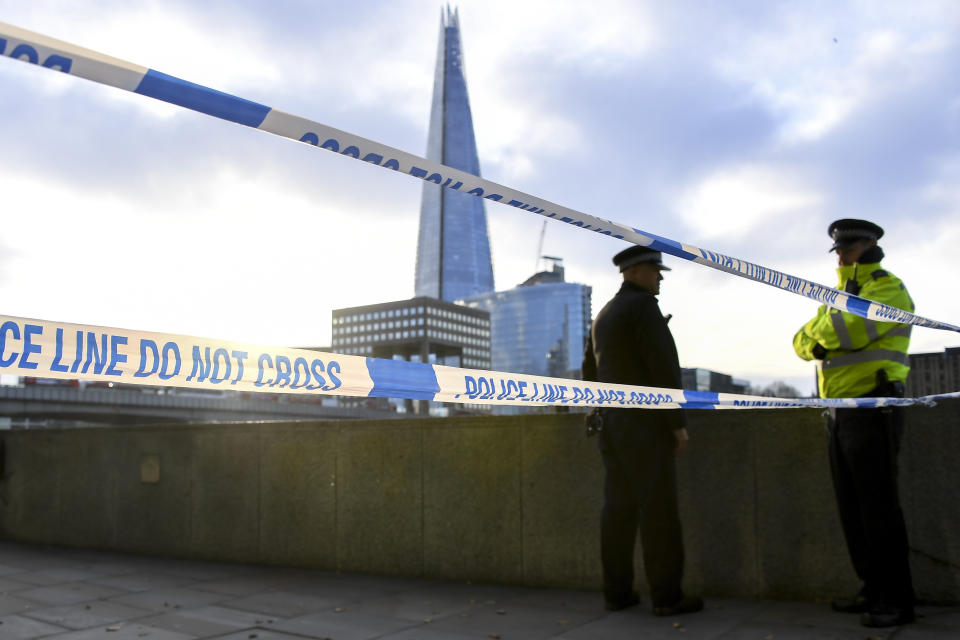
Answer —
(69, 594)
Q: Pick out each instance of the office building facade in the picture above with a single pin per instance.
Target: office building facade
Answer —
(539, 327)
(419, 330)
(453, 247)
(932, 373)
(695, 379)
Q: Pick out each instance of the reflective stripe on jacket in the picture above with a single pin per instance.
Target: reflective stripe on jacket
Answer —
(857, 348)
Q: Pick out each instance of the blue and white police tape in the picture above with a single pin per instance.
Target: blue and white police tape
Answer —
(61, 56)
(58, 350)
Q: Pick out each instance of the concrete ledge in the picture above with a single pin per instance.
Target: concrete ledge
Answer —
(512, 500)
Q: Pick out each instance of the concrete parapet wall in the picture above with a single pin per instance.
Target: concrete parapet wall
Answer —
(510, 500)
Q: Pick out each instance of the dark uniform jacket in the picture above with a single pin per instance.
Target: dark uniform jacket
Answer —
(630, 343)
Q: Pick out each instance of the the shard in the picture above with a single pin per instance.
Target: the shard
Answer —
(453, 248)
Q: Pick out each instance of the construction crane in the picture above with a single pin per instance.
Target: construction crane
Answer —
(543, 232)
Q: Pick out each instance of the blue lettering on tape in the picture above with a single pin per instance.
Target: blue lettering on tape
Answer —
(264, 362)
(333, 368)
(147, 345)
(115, 356)
(332, 144)
(29, 330)
(171, 348)
(201, 365)
(199, 98)
(284, 369)
(58, 62)
(215, 368)
(301, 373)
(317, 371)
(161, 361)
(890, 314)
(29, 54)
(58, 354)
(240, 356)
(475, 388)
(219, 374)
(298, 374)
(25, 51)
(105, 356)
(96, 354)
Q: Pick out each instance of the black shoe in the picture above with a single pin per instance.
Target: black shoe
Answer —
(616, 604)
(886, 615)
(686, 604)
(856, 604)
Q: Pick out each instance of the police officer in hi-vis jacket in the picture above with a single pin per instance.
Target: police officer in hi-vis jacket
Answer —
(866, 358)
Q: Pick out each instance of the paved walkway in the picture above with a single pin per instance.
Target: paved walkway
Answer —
(83, 595)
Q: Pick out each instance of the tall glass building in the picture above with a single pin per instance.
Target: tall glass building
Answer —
(539, 327)
(453, 249)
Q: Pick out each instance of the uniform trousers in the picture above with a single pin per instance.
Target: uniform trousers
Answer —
(640, 491)
(864, 444)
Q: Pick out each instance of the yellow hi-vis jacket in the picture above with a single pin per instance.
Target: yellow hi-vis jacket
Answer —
(857, 348)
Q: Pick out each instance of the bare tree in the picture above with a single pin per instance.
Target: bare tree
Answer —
(776, 389)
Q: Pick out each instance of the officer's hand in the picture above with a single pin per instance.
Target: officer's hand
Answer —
(680, 435)
(819, 352)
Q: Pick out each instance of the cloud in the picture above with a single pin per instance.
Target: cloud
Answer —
(513, 152)
(508, 64)
(244, 262)
(163, 36)
(816, 72)
(7, 256)
(742, 201)
(608, 35)
(923, 256)
(942, 191)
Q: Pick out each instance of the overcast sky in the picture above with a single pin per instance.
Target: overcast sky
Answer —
(741, 127)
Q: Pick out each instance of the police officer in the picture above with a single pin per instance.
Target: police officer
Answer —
(630, 344)
(866, 358)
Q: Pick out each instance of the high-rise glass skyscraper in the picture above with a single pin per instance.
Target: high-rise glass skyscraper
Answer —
(539, 327)
(453, 249)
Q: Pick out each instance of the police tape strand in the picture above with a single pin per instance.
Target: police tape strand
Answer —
(70, 351)
(35, 48)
